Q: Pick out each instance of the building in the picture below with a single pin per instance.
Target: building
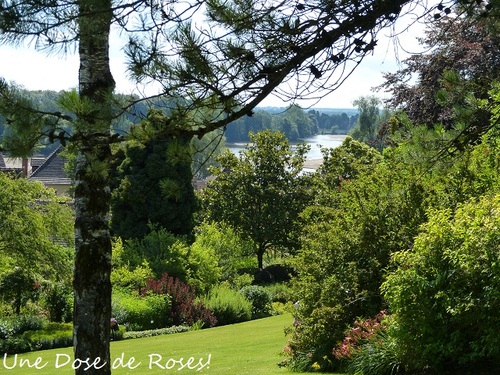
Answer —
(49, 171)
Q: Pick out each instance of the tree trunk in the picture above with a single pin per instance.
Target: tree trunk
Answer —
(92, 285)
(260, 256)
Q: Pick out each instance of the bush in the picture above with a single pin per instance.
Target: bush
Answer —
(13, 345)
(19, 324)
(138, 313)
(260, 299)
(279, 292)
(445, 292)
(59, 302)
(228, 305)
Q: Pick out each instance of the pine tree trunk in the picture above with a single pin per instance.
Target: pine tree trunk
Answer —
(92, 285)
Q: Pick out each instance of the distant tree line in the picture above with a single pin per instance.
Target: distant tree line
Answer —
(295, 122)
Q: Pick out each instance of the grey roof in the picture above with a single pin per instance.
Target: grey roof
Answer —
(51, 171)
(2, 162)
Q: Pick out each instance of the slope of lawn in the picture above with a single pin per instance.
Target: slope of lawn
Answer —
(251, 348)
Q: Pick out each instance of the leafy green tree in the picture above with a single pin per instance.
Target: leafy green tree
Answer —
(347, 241)
(344, 163)
(368, 120)
(36, 236)
(295, 123)
(261, 192)
(221, 76)
(36, 230)
(17, 287)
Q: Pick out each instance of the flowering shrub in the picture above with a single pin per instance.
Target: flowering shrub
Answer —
(362, 332)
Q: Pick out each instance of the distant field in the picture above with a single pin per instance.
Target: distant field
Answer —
(251, 348)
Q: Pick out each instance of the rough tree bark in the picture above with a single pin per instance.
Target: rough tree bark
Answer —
(92, 286)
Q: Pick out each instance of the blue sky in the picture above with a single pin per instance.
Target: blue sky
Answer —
(37, 71)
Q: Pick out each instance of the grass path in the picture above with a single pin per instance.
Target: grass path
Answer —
(250, 348)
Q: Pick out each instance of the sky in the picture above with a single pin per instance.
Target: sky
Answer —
(38, 71)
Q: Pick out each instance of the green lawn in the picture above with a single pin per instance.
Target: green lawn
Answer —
(251, 348)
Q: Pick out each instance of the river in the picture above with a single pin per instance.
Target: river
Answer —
(314, 156)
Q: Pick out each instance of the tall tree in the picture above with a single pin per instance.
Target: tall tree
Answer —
(368, 119)
(463, 60)
(261, 193)
(154, 185)
(221, 68)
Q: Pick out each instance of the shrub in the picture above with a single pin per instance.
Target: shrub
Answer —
(19, 324)
(279, 292)
(141, 312)
(228, 305)
(445, 293)
(13, 345)
(368, 348)
(185, 310)
(53, 335)
(155, 332)
(260, 299)
(59, 302)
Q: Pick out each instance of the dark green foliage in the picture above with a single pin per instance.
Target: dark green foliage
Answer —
(153, 185)
(24, 334)
(18, 287)
(228, 306)
(275, 273)
(54, 335)
(58, 299)
(13, 345)
(20, 324)
(261, 193)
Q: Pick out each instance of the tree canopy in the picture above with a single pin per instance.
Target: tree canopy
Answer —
(261, 192)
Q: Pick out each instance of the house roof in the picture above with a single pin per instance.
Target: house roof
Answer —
(51, 171)
(2, 162)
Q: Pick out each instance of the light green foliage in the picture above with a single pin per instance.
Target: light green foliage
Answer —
(141, 312)
(345, 162)
(161, 252)
(36, 235)
(135, 278)
(445, 292)
(205, 271)
(228, 305)
(233, 253)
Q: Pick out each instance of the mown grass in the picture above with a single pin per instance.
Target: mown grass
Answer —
(250, 348)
